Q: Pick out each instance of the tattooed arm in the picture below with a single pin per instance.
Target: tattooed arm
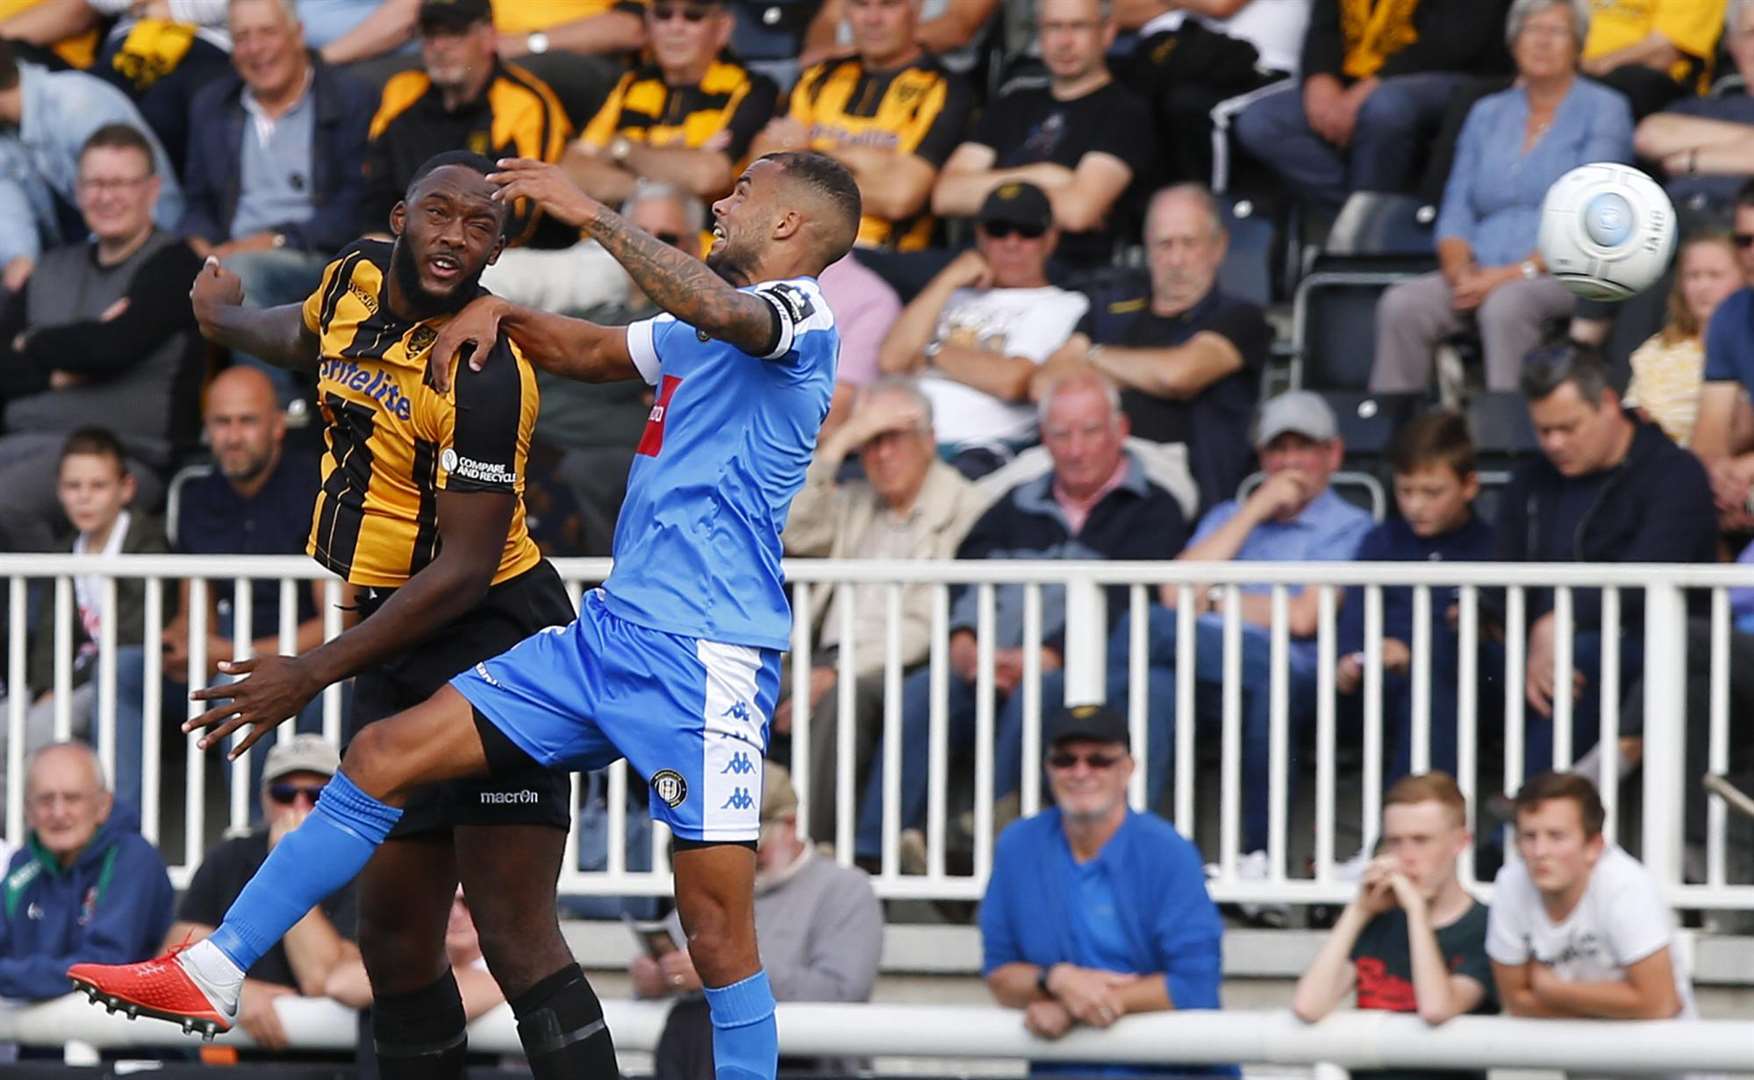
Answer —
(677, 283)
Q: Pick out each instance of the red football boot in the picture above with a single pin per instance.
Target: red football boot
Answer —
(168, 988)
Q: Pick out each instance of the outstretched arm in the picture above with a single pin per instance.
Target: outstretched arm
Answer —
(677, 283)
(472, 528)
(277, 334)
(568, 347)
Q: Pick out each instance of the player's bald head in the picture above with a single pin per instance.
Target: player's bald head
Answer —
(826, 194)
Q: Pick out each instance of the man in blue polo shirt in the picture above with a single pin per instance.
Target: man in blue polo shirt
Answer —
(1093, 910)
(256, 501)
(1293, 516)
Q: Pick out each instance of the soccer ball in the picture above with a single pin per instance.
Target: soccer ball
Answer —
(1607, 231)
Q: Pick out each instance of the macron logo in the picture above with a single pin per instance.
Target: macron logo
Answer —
(503, 798)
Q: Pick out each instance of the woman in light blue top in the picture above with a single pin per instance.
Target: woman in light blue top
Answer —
(1515, 144)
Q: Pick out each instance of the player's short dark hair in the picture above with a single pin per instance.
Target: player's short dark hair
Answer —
(1549, 367)
(8, 65)
(119, 136)
(96, 442)
(1436, 438)
(1745, 194)
(469, 159)
(834, 182)
(1564, 785)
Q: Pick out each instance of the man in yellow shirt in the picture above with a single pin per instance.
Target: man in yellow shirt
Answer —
(685, 118)
(1653, 51)
(890, 113)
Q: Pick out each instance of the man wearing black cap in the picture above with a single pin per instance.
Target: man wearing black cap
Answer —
(1095, 910)
(462, 98)
(980, 329)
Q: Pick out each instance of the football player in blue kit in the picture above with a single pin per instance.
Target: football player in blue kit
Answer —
(674, 662)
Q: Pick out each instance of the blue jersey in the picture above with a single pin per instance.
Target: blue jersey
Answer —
(697, 547)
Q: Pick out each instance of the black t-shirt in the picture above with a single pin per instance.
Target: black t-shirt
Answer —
(1214, 423)
(1384, 966)
(222, 875)
(1031, 126)
(213, 519)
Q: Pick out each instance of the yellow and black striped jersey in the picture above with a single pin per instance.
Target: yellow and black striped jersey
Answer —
(729, 98)
(918, 109)
(394, 443)
(517, 115)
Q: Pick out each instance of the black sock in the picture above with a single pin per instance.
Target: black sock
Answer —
(560, 1023)
(421, 1035)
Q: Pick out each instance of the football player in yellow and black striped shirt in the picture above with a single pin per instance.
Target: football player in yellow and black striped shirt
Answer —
(421, 506)
(891, 114)
(685, 118)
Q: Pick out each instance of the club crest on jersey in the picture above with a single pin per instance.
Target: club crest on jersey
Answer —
(421, 338)
(669, 786)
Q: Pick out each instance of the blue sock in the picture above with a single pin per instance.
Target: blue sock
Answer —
(745, 1042)
(320, 856)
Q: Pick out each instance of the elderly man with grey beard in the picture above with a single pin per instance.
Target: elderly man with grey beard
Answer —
(907, 505)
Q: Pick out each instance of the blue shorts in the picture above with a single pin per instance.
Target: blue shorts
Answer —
(690, 715)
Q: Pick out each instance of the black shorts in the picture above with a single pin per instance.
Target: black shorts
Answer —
(510, 612)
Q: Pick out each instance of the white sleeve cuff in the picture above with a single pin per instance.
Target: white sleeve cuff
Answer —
(643, 350)
(787, 326)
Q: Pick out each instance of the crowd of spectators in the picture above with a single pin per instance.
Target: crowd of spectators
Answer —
(1041, 359)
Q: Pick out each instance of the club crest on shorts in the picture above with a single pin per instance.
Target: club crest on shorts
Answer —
(670, 786)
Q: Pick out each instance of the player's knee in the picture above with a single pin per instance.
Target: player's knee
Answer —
(721, 946)
(371, 762)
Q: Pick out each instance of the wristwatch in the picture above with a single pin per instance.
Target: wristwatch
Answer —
(537, 43)
(1041, 980)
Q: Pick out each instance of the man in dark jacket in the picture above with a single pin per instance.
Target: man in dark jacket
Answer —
(1376, 83)
(1607, 488)
(85, 887)
(1095, 504)
(275, 160)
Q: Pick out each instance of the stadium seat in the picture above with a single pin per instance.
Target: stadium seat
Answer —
(1333, 328)
(1503, 435)
(1247, 269)
(1368, 422)
(1377, 240)
(173, 497)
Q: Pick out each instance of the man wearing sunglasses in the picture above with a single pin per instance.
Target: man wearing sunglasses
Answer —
(978, 332)
(321, 942)
(1095, 910)
(686, 117)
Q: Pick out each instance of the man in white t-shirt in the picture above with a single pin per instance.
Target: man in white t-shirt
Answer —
(1578, 928)
(979, 330)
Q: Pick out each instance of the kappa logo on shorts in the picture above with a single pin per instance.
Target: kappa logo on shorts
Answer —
(739, 800)
(739, 765)
(738, 712)
(670, 786)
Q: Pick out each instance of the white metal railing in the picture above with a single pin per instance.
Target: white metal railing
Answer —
(1353, 1040)
(1077, 589)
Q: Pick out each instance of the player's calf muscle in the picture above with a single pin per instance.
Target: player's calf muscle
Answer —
(436, 740)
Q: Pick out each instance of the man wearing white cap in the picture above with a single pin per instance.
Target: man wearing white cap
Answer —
(294, 775)
(1293, 516)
